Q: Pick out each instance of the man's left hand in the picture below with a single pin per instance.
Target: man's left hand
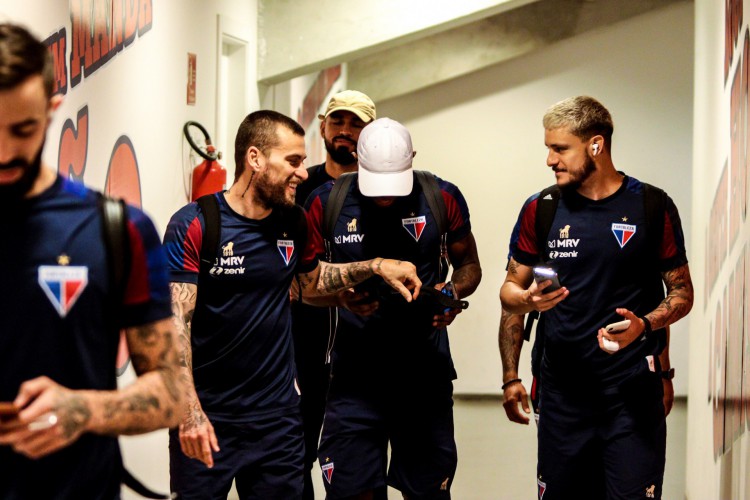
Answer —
(625, 337)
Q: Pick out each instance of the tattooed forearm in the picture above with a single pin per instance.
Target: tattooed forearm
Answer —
(184, 296)
(466, 279)
(510, 340)
(155, 399)
(337, 277)
(679, 300)
(73, 414)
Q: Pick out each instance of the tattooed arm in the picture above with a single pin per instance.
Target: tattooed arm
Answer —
(467, 272)
(327, 278)
(58, 415)
(678, 302)
(197, 436)
(519, 293)
(510, 340)
(675, 306)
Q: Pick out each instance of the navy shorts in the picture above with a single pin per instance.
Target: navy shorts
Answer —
(602, 446)
(264, 457)
(353, 452)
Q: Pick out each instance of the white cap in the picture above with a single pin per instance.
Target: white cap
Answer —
(384, 153)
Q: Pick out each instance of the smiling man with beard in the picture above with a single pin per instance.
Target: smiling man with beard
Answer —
(242, 416)
(61, 314)
(347, 113)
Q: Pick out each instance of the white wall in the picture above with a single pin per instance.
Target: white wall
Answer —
(484, 133)
(718, 417)
(141, 92)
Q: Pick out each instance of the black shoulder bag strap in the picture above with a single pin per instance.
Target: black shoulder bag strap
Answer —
(333, 208)
(546, 207)
(117, 245)
(436, 202)
(209, 205)
(655, 203)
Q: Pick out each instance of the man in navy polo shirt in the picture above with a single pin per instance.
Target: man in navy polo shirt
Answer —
(392, 372)
(243, 420)
(602, 429)
(61, 312)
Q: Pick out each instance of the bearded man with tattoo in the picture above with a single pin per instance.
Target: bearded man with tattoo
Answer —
(62, 312)
(615, 244)
(242, 420)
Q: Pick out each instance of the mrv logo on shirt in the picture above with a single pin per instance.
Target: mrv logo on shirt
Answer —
(564, 241)
(228, 263)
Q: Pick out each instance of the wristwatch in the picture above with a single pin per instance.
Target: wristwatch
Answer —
(668, 374)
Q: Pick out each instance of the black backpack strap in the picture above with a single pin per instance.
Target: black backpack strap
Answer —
(134, 484)
(209, 205)
(546, 207)
(117, 245)
(654, 203)
(434, 197)
(333, 208)
(436, 202)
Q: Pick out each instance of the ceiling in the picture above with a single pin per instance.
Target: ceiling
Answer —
(394, 47)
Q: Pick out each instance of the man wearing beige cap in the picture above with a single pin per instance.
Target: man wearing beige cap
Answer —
(345, 116)
(392, 373)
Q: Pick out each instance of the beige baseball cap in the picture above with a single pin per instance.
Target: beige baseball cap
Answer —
(385, 153)
(354, 101)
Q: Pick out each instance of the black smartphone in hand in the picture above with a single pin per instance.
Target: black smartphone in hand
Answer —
(542, 274)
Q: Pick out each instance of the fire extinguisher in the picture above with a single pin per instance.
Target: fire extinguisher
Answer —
(208, 176)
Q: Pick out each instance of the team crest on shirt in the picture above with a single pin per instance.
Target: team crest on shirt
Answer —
(286, 249)
(63, 285)
(542, 487)
(415, 226)
(623, 233)
(327, 469)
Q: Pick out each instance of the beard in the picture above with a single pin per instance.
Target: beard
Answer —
(577, 180)
(341, 154)
(270, 195)
(14, 193)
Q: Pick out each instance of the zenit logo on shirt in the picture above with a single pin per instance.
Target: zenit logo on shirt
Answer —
(415, 226)
(63, 285)
(286, 248)
(623, 233)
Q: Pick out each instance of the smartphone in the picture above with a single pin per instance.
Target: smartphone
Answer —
(620, 326)
(545, 273)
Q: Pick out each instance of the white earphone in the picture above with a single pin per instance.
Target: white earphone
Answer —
(595, 147)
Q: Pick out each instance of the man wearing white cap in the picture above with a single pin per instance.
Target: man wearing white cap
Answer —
(392, 371)
(345, 116)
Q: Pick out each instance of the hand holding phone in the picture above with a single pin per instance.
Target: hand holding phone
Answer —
(620, 326)
(542, 274)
